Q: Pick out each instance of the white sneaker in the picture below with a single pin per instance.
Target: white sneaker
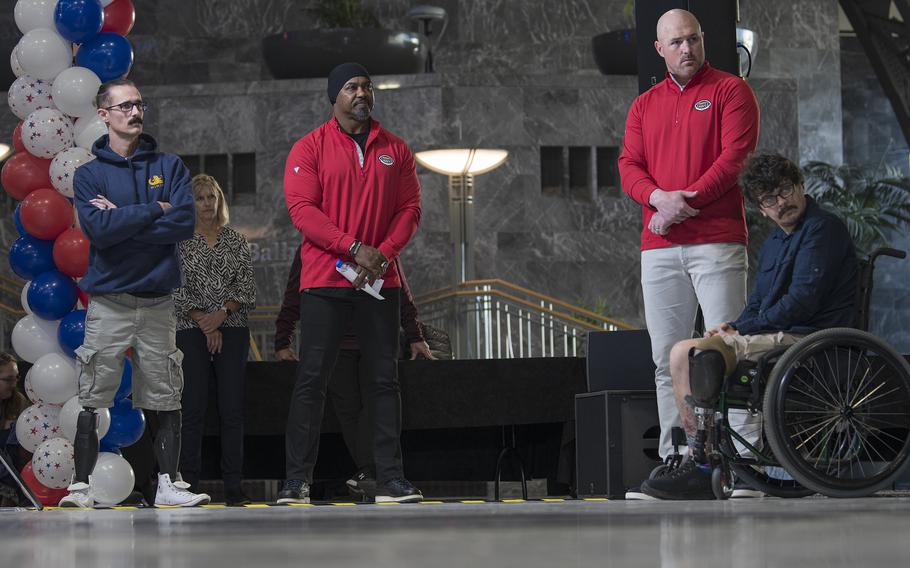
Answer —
(80, 496)
(169, 494)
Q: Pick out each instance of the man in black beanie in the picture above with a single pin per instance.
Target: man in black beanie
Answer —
(351, 189)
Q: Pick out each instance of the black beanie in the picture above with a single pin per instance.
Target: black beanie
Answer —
(341, 75)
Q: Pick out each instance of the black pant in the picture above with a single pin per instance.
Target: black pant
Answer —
(229, 368)
(348, 392)
(325, 314)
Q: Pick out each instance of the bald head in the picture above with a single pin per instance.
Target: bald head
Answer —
(681, 43)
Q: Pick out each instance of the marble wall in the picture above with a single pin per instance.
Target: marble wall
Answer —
(515, 74)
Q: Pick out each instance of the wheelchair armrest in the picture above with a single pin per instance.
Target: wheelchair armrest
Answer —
(887, 251)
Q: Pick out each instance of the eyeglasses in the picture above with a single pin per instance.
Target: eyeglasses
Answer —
(770, 199)
(127, 106)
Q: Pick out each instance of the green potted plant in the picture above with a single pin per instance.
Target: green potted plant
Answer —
(346, 31)
(873, 202)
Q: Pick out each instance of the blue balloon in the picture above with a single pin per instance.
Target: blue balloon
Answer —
(79, 20)
(29, 257)
(17, 220)
(126, 381)
(71, 332)
(127, 425)
(52, 295)
(108, 54)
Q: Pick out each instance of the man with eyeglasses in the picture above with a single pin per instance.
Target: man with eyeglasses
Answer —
(806, 281)
(134, 205)
(685, 141)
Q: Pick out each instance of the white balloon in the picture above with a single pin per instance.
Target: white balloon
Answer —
(54, 378)
(14, 63)
(69, 416)
(64, 166)
(28, 94)
(33, 14)
(54, 463)
(23, 297)
(112, 479)
(44, 54)
(74, 91)
(87, 130)
(34, 337)
(47, 132)
(29, 391)
(37, 424)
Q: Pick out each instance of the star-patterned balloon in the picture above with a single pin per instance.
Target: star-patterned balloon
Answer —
(53, 463)
(64, 166)
(28, 94)
(37, 424)
(47, 132)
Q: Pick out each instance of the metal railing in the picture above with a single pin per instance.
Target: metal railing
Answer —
(495, 319)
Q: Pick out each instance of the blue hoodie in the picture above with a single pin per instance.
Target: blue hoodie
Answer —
(134, 247)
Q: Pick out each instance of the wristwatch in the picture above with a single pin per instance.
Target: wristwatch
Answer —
(227, 311)
(355, 246)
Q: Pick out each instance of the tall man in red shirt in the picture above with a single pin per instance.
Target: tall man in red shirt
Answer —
(352, 191)
(686, 139)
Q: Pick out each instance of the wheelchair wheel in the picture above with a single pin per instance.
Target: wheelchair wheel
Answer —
(837, 406)
(721, 482)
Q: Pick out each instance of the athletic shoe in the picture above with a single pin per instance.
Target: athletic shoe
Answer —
(294, 491)
(742, 490)
(635, 494)
(80, 496)
(169, 494)
(362, 483)
(688, 481)
(398, 490)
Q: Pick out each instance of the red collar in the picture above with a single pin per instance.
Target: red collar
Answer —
(671, 82)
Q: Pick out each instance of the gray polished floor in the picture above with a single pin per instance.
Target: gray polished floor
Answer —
(747, 533)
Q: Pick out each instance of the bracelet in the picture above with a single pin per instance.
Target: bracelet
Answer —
(227, 311)
(354, 248)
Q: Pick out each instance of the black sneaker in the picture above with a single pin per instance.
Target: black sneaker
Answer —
(235, 498)
(742, 490)
(294, 491)
(636, 494)
(398, 491)
(688, 481)
(363, 483)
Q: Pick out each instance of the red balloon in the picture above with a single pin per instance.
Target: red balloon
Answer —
(71, 253)
(83, 298)
(24, 173)
(47, 496)
(119, 17)
(17, 138)
(45, 214)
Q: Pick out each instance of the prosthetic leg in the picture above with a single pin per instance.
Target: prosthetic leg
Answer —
(172, 490)
(709, 363)
(86, 456)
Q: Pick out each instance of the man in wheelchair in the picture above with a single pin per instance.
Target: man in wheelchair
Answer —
(806, 281)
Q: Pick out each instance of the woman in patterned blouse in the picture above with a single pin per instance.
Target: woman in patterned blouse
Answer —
(212, 307)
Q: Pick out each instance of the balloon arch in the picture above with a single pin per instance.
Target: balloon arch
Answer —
(68, 49)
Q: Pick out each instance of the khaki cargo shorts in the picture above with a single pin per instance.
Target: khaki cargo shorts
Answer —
(113, 324)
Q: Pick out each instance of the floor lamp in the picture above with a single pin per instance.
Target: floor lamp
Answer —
(461, 165)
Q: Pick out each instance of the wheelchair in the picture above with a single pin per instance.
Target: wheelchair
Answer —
(830, 414)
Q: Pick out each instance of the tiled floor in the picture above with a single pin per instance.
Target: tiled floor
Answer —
(761, 533)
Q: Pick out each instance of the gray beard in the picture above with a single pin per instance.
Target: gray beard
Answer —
(362, 114)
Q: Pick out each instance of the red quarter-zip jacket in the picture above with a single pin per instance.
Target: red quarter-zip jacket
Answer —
(693, 139)
(335, 198)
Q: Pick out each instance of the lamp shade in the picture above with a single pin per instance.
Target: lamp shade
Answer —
(461, 161)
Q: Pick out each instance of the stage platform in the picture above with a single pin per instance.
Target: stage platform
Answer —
(580, 534)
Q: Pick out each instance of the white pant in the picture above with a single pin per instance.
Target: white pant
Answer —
(674, 282)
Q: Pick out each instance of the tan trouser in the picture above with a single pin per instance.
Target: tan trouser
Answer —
(752, 347)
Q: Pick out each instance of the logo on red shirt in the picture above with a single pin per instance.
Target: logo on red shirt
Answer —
(703, 104)
(386, 159)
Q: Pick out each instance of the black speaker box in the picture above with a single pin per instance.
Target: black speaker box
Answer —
(617, 434)
(718, 22)
(619, 360)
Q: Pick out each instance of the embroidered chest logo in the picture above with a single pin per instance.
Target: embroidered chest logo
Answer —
(386, 160)
(703, 104)
(156, 181)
